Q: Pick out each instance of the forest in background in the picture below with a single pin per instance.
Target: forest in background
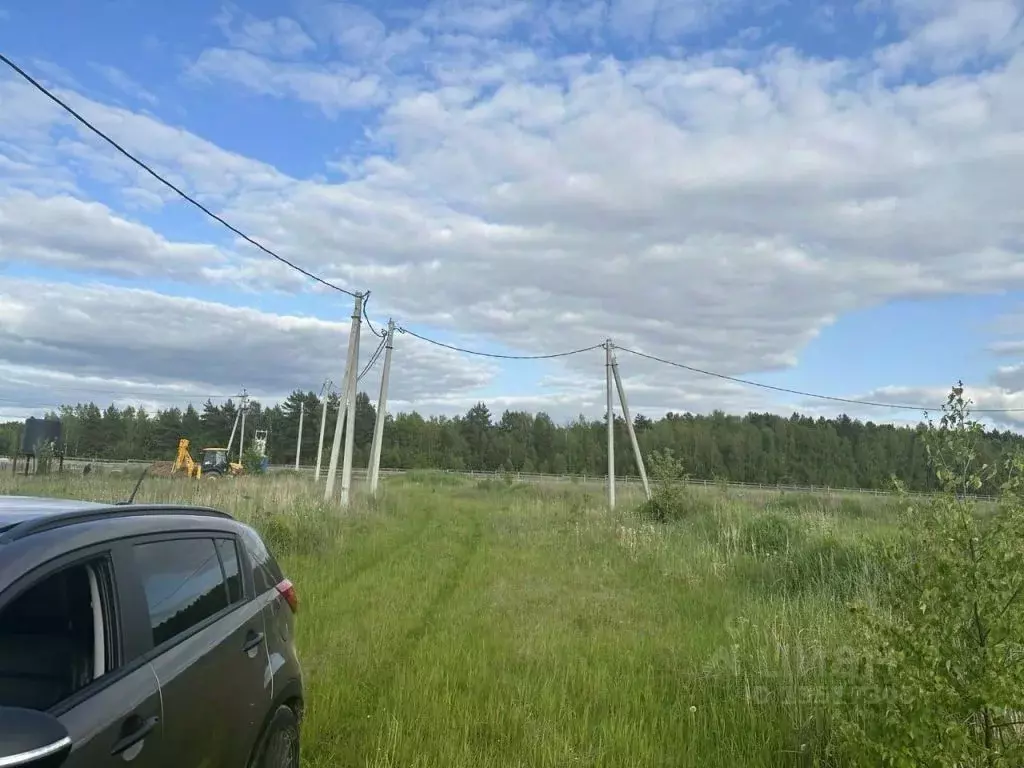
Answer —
(756, 448)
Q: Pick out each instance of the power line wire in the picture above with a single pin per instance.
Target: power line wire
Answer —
(42, 89)
(787, 390)
(495, 355)
(373, 359)
(366, 300)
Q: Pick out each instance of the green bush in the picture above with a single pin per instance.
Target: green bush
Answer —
(939, 678)
(252, 460)
(671, 497)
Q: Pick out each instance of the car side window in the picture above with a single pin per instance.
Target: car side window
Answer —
(265, 572)
(228, 551)
(58, 636)
(184, 584)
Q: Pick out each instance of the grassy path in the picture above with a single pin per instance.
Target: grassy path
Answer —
(513, 632)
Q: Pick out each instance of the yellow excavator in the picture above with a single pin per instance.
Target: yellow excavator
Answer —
(216, 462)
(213, 462)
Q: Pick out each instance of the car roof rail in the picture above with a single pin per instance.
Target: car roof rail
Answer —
(62, 519)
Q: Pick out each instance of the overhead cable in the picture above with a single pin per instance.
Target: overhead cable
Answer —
(373, 358)
(787, 390)
(366, 317)
(495, 355)
(63, 105)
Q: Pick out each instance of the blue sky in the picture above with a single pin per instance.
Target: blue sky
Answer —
(815, 195)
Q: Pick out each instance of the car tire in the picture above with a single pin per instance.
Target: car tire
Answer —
(279, 745)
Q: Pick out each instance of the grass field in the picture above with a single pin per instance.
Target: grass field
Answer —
(470, 624)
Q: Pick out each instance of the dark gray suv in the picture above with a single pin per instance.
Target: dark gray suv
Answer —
(160, 635)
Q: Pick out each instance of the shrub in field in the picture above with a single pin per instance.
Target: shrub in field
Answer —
(252, 460)
(939, 677)
(671, 497)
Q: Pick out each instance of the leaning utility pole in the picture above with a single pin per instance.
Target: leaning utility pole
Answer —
(629, 425)
(611, 423)
(298, 443)
(324, 393)
(382, 404)
(348, 404)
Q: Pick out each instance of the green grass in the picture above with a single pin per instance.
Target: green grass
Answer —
(458, 623)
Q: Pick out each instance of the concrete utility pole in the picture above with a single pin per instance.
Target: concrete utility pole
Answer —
(298, 443)
(382, 404)
(234, 428)
(629, 424)
(241, 438)
(350, 419)
(324, 393)
(611, 423)
(350, 385)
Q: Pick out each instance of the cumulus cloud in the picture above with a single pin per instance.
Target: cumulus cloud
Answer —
(280, 36)
(945, 36)
(59, 340)
(331, 88)
(124, 83)
(68, 233)
(713, 208)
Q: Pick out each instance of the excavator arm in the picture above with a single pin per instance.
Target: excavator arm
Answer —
(185, 461)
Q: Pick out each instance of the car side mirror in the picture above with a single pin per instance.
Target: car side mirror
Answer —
(31, 739)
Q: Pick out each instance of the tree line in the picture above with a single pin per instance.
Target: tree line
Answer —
(756, 448)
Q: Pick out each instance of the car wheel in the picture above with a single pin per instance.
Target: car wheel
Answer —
(279, 747)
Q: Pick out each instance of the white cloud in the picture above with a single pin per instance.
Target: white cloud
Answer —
(124, 83)
(279, 36)
(332, 89)
(39, 130)
(717, 210)
(947, 35)
(644, 19)
(991, 404)
(67, 233)
(481, 17)
(61, 342)
(352, 28)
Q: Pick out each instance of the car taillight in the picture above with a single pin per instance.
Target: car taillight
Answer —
(287, 590)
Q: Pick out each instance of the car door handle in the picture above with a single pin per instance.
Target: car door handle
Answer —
(138, 734)
(251, 641)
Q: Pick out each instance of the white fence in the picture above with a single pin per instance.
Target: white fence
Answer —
(537, 477)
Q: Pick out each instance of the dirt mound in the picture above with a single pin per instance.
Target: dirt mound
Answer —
(161, 468)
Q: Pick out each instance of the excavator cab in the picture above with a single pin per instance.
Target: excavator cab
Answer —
(215, 462)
